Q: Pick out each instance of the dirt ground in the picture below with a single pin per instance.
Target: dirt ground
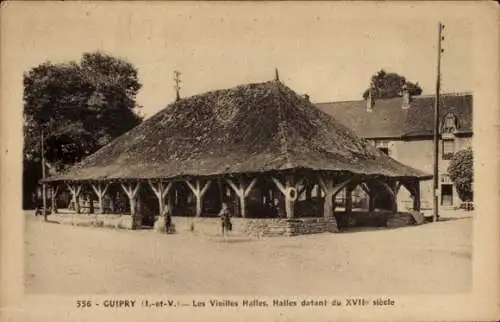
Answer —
(432, 258)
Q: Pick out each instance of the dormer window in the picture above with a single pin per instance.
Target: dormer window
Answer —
(383, 147)
(449, 124)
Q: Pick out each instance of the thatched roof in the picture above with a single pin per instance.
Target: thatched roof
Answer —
(250, 128)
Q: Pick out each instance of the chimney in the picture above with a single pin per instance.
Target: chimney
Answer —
(406, 97)
(369, 101)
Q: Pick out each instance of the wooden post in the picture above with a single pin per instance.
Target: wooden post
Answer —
(53, 195)
(395, 185)
(414, 189)
(300, 187)
(327, 186)
(290, 193)
(330, 190)
(160, 191)
(416, 197)
(371, 202)
(348, 199)
(372, 195)
(131, 192)
(75, 190)
(112, 205)
(391, 188)
(100, 191)
(242, 192)
(308, 188)
(91, 203)
(199, 192)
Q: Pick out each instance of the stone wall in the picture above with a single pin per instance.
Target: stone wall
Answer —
(94, 220)
(290, 227)
(256, 227)
(268, 227)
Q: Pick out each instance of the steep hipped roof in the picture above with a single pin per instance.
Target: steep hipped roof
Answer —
(249, 128)
(389, 120)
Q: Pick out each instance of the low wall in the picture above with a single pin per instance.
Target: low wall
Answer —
(254, 227)
(268, 227)
(94, 220)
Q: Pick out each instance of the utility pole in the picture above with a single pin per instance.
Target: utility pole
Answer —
(436, 125)
(177, 86)
(44, 193)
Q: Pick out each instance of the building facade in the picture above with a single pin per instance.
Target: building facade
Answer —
(403, 128)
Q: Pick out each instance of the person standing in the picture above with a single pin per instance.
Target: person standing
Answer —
(225, 217)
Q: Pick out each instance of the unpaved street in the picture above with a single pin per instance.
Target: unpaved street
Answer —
(432, 258)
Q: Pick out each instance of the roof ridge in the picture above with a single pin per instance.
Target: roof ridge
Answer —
(282, 125)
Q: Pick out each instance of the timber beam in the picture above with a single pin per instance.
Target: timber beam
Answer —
(199, 191)
(131, 191)
(100, 191)
(75, 190)
(161, 190)
(289, 190)
(327, 186)
(242, 192)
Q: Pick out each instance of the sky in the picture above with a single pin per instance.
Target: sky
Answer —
(327, 50)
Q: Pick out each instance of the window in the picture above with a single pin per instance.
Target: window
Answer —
(448, 149)
(384, 150)
(449, 124)
(383, 146)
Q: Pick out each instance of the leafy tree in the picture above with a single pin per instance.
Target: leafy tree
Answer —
(390, 85)
(461, 173)
(79, 107)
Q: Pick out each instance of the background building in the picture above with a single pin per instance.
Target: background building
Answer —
(402, 127)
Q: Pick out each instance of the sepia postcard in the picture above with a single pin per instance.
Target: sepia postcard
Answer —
(243, 161)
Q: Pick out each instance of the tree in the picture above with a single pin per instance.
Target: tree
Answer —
(79, 106)
(461, 173)
(390, 85)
